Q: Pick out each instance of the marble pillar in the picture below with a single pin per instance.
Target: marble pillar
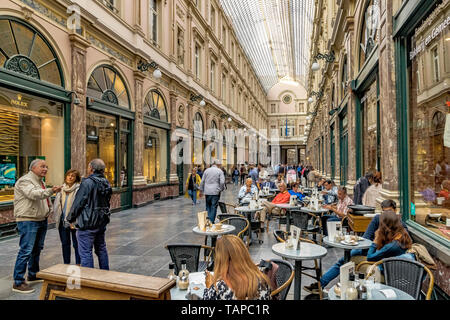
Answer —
(138, 178)
(78, 112)
(388, 117)
(173, 178)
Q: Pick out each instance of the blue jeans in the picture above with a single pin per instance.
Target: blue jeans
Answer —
(93, 238)
(32, 236)
(193, 195)
(235, 180)
(65, 234)
(325, 218)
(212, 201)
(335, 270)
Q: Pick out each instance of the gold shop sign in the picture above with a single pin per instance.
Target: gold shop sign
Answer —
(19, 102)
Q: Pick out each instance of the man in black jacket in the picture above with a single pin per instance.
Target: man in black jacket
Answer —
(90, 212)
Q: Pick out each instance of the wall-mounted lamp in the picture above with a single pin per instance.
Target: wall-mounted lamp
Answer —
(195, 98)
(328, 57)
(144, 66)
(76, 100)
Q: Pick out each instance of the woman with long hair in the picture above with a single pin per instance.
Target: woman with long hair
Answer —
(373, 192)
(236, 277)
(391, 238)
(63, 203)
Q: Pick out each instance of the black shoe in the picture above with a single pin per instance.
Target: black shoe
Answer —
(313, 288)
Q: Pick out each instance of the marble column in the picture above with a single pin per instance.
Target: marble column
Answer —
(139, 178)
(173, 178)
(388, 132)
(78, 112)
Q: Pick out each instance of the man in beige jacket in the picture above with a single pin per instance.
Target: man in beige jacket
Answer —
(32, 206)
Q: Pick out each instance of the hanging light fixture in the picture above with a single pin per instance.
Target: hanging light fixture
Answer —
(157, 74)
(310, 100)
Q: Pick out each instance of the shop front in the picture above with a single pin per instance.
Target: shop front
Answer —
(422, 37)
(34, 111)
(109, 126)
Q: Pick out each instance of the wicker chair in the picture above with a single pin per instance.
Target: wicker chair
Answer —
(190, 252)
(300, 219)
(222, 216)
(226, 207)
(284, 277)
(281, 236)
(404, 274)
(241, 224)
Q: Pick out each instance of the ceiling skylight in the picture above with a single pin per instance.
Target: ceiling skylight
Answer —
(275, 35)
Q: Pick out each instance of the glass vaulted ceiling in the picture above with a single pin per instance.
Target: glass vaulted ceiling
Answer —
(275, 35)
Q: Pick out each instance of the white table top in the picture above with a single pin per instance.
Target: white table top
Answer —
(362, 244)
(321, 210)
(308, 251)
(247, 209)
(196, 280)
(287, 206)
(376, 294)
(226, 228)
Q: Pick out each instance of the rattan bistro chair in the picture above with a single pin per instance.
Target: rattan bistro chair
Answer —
(283, 277)
(226, 207)
(281, 236)
(222, 216)
(190, 252)
(301, 220)
(241, 225)
(404, 274)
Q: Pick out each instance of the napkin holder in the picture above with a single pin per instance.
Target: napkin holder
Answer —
(253, 204)
(292, 200)
(266, 190)
(201, 220)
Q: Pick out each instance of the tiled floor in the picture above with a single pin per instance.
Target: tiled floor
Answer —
(136, 238)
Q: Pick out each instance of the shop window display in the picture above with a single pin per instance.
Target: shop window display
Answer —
(155, 154)
(30, 128)
(429, 120)
(101, 142)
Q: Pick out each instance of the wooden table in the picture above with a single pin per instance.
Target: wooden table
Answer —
(358, 223)
(69, 282)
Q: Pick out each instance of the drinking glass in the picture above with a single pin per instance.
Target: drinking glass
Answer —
(344, 231)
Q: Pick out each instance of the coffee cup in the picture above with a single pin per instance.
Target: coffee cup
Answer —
(218, 226)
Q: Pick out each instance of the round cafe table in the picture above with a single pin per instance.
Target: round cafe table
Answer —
(376, 294)
(318, 213)
(248, 214)
(197, 287)
(308, 251)
(362, 244)
(288, 209)
(226, 229)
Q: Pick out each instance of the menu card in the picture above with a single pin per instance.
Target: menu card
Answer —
(295, 231)
(345, 272)
(201, 220)
(333, 227)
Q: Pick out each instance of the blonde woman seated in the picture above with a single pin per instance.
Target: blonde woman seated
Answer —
(236, 277)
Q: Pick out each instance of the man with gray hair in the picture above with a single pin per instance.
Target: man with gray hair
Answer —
(212, 184)
(32, 207)
(90, 214)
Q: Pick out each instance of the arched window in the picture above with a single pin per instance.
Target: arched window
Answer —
(369, 30)
(198, 123)
(24, 50)
(155, 106)
(106, 84)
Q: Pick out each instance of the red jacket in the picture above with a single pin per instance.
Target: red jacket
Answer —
(282, 198)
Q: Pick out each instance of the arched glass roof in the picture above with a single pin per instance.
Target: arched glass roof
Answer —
(275, 35)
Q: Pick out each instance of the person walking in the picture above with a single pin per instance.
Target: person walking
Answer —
(235, 175)
(32, 207)
(192, 185)
(243, 173)
(62, 205)
(90, 213)
(212, 184)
